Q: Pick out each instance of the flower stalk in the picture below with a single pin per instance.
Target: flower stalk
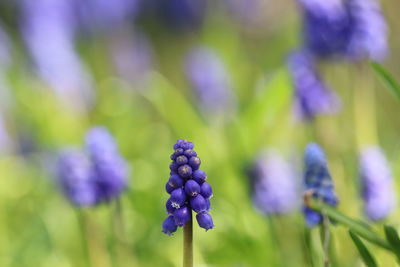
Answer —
(188, 243)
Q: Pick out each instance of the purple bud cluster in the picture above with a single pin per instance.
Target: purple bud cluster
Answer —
(317, 182)
(274, 185)
(188, 190)
(98, 174)
(312, 96)
(354, 29)
(377, 184)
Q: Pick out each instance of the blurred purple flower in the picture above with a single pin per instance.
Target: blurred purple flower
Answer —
(354, 28)
(209, 78)
(378, 189)
(312, 97)
(75, 176)
(132, 56)
(110, 169)
(274, 185)
(369, 30)
(105, 14)
(182, 14)
(48, 28)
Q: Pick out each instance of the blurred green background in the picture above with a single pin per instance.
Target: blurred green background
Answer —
(39, 227)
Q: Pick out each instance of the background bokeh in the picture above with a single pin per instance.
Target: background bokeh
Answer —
(124, 67)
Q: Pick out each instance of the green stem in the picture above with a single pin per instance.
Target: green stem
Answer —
(355, 226)
(325, 238)
(188, 243)
(84, 236)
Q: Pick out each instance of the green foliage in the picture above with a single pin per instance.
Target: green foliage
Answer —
(362, 249)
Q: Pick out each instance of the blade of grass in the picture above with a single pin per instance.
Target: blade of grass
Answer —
(387, 79)
(362, 249)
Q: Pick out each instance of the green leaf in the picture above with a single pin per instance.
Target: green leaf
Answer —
(355, 226)
(387, 79)
(393, 238)
(362, 249)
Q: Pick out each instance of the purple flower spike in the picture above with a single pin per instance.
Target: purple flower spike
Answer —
(182, 215)
(312, 96)
(75, 177)
(191, 192)
(111, 172)
(369, 31)
(317, 181)
(274, 184)
(209, 78)
(205, 220)
(377, 183)
(352, 29)
(169, 226)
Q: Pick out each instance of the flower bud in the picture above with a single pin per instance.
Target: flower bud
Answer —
(199, 176)
(169, 188)
(182, 216)
(190, 153)
(175, 181)
(205, 220)
(206, 190)
(194, 162)
(185, 171)
(198, 203)
(169, 226)
(192, 188)
(178, 198)
(181, 160)
(169, 207)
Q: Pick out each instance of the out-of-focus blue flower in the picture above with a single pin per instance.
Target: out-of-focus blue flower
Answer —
(326, 27)
(208, 76)
(187, 189)
(317, 182)
(377, 183)
(110, 170)
(48, 28)
(76, 178)
(182, 14)
(132, 56)
(312, 96)
(369, 30)
(105, 14)
(274, 186)
(354, 29)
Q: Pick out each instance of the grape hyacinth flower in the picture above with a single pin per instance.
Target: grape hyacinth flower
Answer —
(48, 28)
(274, 185)
(76, 178)
(110, 171)
(182, 15)
(318, 182)
(188, 190)
(96, 174)
(352, 29)
(209, 78)
(377, 184)
(312, 96)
